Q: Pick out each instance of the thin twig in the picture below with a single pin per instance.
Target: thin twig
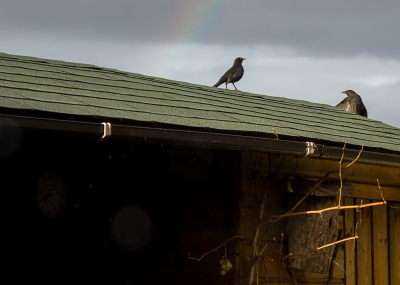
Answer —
(215, 249)
(358, 156)
(324, 246)
(340, 169)
(289, 271)
(276, 134)
(340, 175)
(263, 201)
(280, 258)
(380, 189)
(287, 256)
(302, 199)
(331, 209)
(354, 243)
(256, 241)
(262, 251)
(285, 261)
(276, 243)
(359, 212)
(334, 254)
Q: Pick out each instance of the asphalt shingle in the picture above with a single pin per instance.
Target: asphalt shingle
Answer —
(82, 89)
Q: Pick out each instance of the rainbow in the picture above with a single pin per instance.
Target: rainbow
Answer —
(198, 20)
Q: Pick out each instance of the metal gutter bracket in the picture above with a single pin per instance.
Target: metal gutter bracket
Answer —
(106, 131)
(310, 149)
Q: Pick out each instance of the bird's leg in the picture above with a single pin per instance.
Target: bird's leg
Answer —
(235, 86)
(226, 85)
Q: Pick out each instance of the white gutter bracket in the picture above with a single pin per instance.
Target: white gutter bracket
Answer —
(106, 131)
(310, 149)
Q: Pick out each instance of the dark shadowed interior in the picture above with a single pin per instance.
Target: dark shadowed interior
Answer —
(133, 211)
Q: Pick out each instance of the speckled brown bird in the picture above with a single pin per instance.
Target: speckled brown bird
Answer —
(233, 74)
(353, 103)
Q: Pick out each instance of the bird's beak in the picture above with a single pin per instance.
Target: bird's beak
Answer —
(244, 58)
(344, 92)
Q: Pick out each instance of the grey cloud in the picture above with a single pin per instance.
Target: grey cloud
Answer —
(318, 28)
(308, 50)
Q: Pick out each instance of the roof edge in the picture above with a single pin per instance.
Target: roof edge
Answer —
(96, 131)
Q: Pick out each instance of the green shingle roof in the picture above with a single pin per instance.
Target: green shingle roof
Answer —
(28, 83)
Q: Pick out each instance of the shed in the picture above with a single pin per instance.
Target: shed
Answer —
(118, 177)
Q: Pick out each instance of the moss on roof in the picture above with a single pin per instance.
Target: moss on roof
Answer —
(82, 89)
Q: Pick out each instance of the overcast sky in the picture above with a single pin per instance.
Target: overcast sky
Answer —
(300, 49)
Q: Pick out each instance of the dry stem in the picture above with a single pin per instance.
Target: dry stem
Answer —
(333, 208)
(326, 245)
(358, 156)
(215, 249)
(340, 169)
(334, 254)
(302, 199)
(380, 189)
(276, 134)
(340, 175)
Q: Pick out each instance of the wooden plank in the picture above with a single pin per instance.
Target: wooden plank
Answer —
(253, 187)
(380, 245)
(285, 281)
(349, 226)
(303, 186)
(316, 168)
(394, 242)
(362, 177)
(372, 192)
(364, 250)
(248, 222)
(339, 267)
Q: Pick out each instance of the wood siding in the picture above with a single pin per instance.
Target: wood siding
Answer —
(371, 259)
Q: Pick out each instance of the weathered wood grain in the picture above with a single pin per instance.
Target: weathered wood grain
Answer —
(349, 226)
(394, 241)
(364, 245)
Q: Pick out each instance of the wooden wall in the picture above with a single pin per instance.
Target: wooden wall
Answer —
(373, 259)
(183, 198)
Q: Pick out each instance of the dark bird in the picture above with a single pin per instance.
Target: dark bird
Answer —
(353, 103)
(233, 74)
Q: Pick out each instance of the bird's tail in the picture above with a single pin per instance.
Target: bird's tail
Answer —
(218, 83)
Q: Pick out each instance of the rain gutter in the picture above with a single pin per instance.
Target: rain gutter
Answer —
(212, 139)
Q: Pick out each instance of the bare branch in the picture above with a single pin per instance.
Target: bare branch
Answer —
(340, 175)
(280, 258)
(262, 251)
(215, 249)
(358, 156)
(334, 254)
(263, 201)
(276, 134)
(324, 246)
(289, 271)
(331, 209)
(302, 199)
(340, 169)
(380, 189)
(287, 256)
